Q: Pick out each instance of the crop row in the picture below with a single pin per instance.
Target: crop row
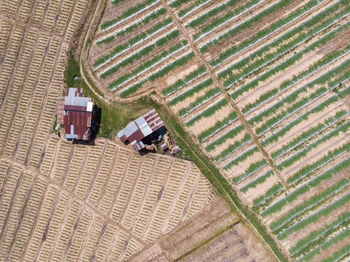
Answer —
(339, 254)
(298, 105)
(199, 20)
(309, 133)
(135, 24)
(274, 190)
(244, 155)
(199, 101)
(119, 49)
(253, 167)
(269, 58)
(292, 196)
(265, 33)
(319, 234)
(218, 126)
(177, 3)
(210, 110)
(278, 224)
(139, 54)
(187, 93)
(245, 24)
(145, 66)
(132, 11)
(305, 150)
(295, 94)
(314, 216)
(231, 133)
(233, 148)
(256, 181)
(325, 245)
(158, 73)
(196, 5)
(225, 19)
(305, 171)
(182, 82)
(287, 63)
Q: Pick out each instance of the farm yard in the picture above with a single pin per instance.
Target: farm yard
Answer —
(263, 89)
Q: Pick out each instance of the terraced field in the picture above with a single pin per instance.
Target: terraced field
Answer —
(263, 87)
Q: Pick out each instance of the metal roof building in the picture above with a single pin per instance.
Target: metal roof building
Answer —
(140, 128)
(75, 112)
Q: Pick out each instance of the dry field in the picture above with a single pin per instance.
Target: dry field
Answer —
(64, 202)
(214, 234)
(263, 87)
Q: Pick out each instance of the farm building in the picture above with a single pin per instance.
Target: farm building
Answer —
(75, 112)
(142, 130)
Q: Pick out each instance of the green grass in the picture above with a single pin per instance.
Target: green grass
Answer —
(268, 194)
(257, 181)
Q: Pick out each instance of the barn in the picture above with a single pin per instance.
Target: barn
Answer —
(75, 112)
(145, 128)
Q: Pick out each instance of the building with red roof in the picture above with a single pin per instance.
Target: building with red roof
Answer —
(141, 128)
(75, 112)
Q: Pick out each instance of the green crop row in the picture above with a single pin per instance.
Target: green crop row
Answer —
(268, 194)
(314, 217)
(130, 28)
(115, 2)
(147, 64)
(306, 187)
(222, 19)
(290, 110)
(139, 54)
(218, 126)
(210, 93)
(309, 168)
(183, 12)
(308, 133)
(232, 133)
(212, 12)
(257, 181)
(294, 95)
(260, 100)
(244, 155)
(291, 160)
(319, 236)
(299, 210)
(177, 3)
(208, 112)
(178, 62)
(247, 23)
(250, 170)
(327, 244)
(191, 91)
(127, 13)
(289, 35)
(182, 82)
(344, 251)
(287, 63)
(260, 60)
(233, 147)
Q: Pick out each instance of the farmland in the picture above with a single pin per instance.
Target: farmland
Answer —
(262, 88)
(70, 202)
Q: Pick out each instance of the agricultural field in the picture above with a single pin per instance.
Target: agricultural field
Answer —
(68, 202)
(214, 234)
(263, 88)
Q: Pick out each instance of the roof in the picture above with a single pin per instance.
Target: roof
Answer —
(75, 112)
(141, 127)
